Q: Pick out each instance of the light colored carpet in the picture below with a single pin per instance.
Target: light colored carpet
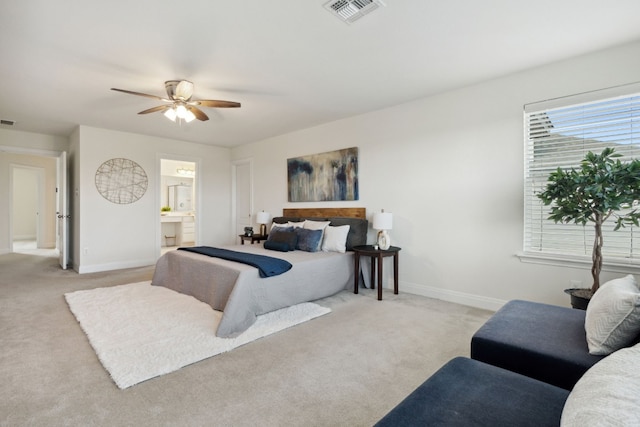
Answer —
(141, 331)
(348, 368)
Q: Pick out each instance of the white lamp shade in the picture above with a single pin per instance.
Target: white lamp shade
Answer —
(383, 221)
(262, 217)
(189, 116)
(181, 111)
(171, 114)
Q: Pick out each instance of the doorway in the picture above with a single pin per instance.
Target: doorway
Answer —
(27, 208)
(242, 196)
(178, 203)
(49, 171)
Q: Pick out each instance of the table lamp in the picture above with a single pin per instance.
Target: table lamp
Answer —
(383, 221)
(262, 218)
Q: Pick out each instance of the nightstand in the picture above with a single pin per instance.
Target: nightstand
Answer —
(375, 254)
(253, 238)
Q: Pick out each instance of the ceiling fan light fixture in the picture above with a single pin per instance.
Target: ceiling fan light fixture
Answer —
(181, 107)
(189, 116)
(181, 111)
(170, 113)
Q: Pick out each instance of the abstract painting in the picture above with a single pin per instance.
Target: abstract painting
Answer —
(322, 177)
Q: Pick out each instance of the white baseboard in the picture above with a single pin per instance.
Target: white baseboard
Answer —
(471, 300)
(24, 237)
(97, 268)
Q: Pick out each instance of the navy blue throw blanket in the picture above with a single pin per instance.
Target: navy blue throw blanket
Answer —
(266, 265)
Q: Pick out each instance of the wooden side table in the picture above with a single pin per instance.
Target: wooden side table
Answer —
(253, 238)
(375, 254)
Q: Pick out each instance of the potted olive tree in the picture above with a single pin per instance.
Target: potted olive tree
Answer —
(602, 188)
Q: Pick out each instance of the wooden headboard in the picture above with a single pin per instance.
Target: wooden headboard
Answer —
(325, 212)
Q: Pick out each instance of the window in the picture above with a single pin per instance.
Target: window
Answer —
(559, 133)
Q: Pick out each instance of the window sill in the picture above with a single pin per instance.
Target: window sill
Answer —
(616, 265)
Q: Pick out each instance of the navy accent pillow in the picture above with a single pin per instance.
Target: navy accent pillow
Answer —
(279, 227)
(276, 246)
(284, 235)
(308, 240)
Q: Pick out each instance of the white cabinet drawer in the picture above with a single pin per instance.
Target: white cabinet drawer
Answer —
(188, 230)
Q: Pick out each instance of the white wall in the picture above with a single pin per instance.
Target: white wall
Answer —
(110, 236)
(450, 168)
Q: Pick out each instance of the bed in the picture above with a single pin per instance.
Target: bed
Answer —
(241, 294)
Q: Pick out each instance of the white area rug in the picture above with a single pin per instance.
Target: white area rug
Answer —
(141, 331)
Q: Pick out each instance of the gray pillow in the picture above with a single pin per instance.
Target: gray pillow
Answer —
(612, 320)
(284, 236)
(608, 394)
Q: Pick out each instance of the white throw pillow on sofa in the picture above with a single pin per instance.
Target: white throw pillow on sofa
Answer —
(608, 394)
(612, 319)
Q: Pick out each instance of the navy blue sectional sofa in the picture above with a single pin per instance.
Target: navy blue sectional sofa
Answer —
(465, 392)
(531, 365)
(524, 361)
(541, 341)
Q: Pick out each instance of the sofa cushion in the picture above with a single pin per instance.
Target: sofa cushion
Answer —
(542, 341)
(613, 316)
(608, 394)
(465, 392)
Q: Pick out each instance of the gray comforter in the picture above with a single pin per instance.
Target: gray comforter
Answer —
(241, 294)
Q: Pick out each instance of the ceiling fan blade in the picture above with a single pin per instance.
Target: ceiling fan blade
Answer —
(215, 104)
(200, 115)
(140, 94)
(154, 109)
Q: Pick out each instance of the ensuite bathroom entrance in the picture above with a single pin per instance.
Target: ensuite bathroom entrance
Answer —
(177, 204)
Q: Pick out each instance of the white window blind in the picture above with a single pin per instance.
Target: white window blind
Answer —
(560, 137)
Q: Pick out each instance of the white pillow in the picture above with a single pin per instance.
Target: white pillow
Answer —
(276, 225)
(608, 394)
(316, 225)
(295, 224)
(612, 320)
(335, 239)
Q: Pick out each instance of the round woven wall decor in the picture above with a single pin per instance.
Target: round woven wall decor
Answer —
(121, 181)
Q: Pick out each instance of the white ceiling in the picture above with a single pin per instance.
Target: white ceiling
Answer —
(291, 63)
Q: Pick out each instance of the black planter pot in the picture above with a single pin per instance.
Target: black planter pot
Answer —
(579, 297)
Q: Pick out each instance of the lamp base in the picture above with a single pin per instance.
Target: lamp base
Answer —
(263, 229)
(384, 241)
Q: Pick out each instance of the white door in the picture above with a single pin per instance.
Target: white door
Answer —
(243, 205)
(63, 211)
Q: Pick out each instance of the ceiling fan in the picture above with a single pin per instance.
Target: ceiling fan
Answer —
(180, 105)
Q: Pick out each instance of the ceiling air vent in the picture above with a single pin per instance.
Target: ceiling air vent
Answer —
(351, 10)
(7, 122)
